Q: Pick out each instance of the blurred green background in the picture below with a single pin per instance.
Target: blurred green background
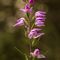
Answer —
(11, 37)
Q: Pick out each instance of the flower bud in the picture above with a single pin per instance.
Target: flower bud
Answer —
(27, 9)
(31, 1)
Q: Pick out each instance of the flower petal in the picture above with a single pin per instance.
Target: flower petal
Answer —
(39, 23)
(20, 22)
(41, 56)
(39, 35)
(23, 10)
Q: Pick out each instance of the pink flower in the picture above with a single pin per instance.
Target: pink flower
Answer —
(39, 23)
(31, 1)
(20, 22)
(37, 54)
(27, 9)
(40, 14)
(35, 33)
(40, 18)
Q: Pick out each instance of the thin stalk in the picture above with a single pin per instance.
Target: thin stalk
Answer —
(26, 57)
(19, 51)
(30, 41)
(30, 49)
(33, 25)
(33, 58)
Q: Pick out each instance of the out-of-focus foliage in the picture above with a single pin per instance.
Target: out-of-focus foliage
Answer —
(11, 37)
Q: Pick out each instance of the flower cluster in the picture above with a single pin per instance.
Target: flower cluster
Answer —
(34, 32)
(39, 22)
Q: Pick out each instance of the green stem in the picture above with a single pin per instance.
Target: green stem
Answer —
(32, 25)
(30, 49)
(19, 50)
(26, 57)
(30, 45)
(33, 58)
